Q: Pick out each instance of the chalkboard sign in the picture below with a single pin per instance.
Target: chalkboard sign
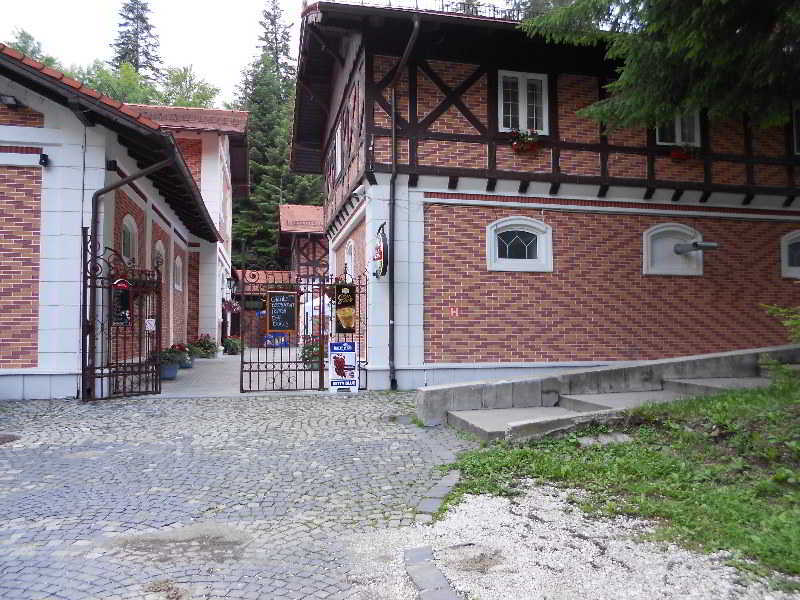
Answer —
(282, 312)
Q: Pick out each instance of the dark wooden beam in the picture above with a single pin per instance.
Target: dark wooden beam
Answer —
(676, 195)
(748, 198)
(371, 178)
(648, 193)
(452, 182)
(490, 184)
(327, 47)
(704, 198)
(554, 187)
(523, 187)
(789, 201)
(602, 191)
(452, 98)
(413, 180)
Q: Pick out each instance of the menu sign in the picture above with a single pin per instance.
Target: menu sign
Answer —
(345, 308)
(343, 367)
(282, 312)
(121, 303)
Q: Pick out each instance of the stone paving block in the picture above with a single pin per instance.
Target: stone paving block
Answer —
(429, 505)
(418, 555)
(440, 594)
(427, 577)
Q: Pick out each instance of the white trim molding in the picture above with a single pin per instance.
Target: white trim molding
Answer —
(787, 270)
(659, 256)
(544, 245)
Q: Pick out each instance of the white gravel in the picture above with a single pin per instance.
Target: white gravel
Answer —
(539, 546)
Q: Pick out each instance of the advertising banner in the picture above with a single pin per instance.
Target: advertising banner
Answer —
(345, 308)
(343, 367)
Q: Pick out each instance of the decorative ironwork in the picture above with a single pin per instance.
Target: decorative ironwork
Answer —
(122, 325)
(295, 360)
(489, 10)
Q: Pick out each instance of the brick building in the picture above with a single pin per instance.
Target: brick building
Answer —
(507, 258)
(60, 142)
(303, 247)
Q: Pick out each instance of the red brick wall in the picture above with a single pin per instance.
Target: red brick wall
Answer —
(383, 150)
(358, 236)
(193, 284)
(668, 169)
(574, 162)
(179, 299)
(729, 172)
(771, 175)
(20, 117)
(770, 141)
(631, 166)
(124, 205)
(576, 92)
(597, 305)
(20, 206)
(166, 280)
(540, 161)
(192, 150)
(727, 137)
(466, 155)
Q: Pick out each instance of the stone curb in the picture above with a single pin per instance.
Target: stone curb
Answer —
(427, 578)
(432, 499)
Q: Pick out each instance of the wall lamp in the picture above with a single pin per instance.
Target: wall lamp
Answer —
(695, 246)
(232, 284)
(10, 101)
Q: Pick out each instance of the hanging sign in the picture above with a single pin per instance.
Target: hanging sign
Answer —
(149, 324)
(345, 308)
(282, 317)
(380, 258)
(121, 303)
(343, 367)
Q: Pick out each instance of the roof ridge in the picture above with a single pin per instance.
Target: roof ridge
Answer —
(187, 107)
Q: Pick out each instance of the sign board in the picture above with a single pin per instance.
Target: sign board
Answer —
(121, 303)
(149, 324)
(282, 316)
(345, 308)
(343, 367)
(380, 258)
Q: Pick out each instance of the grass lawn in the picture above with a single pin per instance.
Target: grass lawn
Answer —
(720, 472)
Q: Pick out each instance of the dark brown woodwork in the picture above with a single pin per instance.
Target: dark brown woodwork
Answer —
(705, 146)
(552, 104)
(413, 145)
(676, 195)
(748, 148)
(648, 193)
(452, 183)
(789, 201)
(554, 187)
(523, 186)
(602, 191)
(413, 179)
(748, 198)
(651, 157)
(452, 98)
(705, 196)
(491, 89)
(490, 184)
(601, 94)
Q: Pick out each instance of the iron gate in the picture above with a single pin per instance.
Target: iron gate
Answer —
(121, 307)
(295, 358)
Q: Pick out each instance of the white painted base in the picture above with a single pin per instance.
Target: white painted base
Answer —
(39, 386)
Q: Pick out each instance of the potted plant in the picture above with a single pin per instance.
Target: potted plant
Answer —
(310, 353)
(194, 351)
(188, 359)
(524, 141)
(169, 362)
(680, 153)
(208, 347)
(232, 344)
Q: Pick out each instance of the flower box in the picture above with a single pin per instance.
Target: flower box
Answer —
(680, 154)
(523, 147)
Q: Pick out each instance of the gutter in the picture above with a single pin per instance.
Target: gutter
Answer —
(398, 73)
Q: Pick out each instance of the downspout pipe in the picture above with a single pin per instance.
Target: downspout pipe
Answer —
(398, 73)
(88, 391)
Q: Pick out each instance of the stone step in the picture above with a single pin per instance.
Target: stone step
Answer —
(492, 424)
(714, 385)
(620, 400)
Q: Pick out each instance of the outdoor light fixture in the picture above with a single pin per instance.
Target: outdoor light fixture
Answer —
(695, 246)
(44, 160)
(9, 101)
(232, 284)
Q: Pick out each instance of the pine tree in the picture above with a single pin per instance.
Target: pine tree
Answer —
(267, 92)
(137, 43)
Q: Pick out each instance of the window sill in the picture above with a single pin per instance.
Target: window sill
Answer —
(524, 267)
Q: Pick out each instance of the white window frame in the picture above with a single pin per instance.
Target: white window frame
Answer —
(350, 258)
(679, 133)
(177, 274)
(337, 151)
(543, 263)
(692, 263)
(129, 225)
(786, 270)
(522, 102)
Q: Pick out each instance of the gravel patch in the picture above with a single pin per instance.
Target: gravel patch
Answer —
(539, 545)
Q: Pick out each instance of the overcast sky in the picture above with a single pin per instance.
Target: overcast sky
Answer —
(217, 38)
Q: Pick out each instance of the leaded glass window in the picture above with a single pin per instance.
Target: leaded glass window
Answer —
(534, 104)
(516, 244)
(510, 103)
(522, 100)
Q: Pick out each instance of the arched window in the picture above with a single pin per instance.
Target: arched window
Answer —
(659, 256)
(177, 274)
(130, 239)
(790, 255)
(519, 244)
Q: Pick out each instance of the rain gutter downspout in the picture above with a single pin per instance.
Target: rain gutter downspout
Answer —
(88, 391)
(398, 73)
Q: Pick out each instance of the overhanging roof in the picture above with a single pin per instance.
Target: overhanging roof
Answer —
(146, 142)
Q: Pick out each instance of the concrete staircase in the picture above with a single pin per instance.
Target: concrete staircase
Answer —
(530, 408)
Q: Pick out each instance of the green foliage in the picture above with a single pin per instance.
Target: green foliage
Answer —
(124, 84)
(181, 86)
(267, 92)
(232, 345)
(137, 43)
(207, 346)
(170, 356)
(727, 56)
(790, 318)
(30, 46)
(310, 352)
(719, 472)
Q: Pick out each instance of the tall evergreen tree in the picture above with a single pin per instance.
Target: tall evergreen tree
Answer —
(137, 42)
(267, 92)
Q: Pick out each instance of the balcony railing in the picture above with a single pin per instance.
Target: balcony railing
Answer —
(490, 10)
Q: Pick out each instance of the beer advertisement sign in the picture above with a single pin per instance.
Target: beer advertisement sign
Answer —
(345, 308)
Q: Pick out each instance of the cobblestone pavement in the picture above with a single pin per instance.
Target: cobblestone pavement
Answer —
(178, 499)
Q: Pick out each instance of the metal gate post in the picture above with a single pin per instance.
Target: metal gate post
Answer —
(322, 344)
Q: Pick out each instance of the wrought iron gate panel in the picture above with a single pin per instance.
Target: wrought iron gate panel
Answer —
(290, 361)
(121, 307)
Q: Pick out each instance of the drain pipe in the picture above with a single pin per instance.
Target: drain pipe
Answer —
(401, 65)
(88, 391)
